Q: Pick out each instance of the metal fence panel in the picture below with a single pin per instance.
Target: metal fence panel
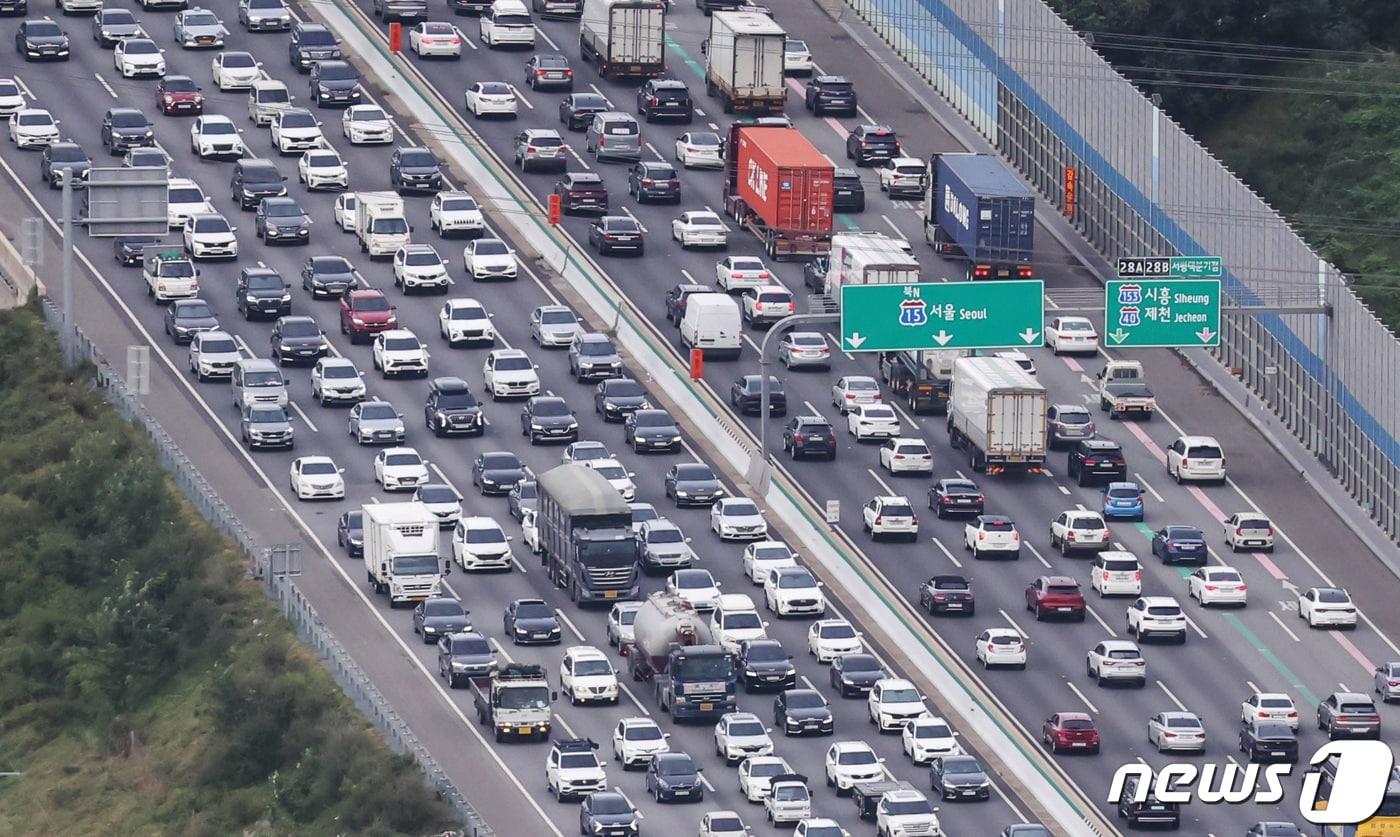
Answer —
(1148, 187)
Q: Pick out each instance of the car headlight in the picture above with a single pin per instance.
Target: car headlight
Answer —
(250, 298)
(357, 321)
(284, 347)
(534, 426)
(573, 425)
(286, 297)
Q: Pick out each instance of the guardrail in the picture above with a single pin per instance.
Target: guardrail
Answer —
(279, 587)
(1047, 102)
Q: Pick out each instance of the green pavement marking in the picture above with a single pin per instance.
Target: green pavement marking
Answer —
(1184, 571)
(847, 222)
(1273, 659)
(689, 62)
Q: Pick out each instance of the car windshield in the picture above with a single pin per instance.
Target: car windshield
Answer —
(1123, 654)
(694, 473)
(588, 101)
(1005, 639)
(496, 88)
(491, 247)
(300, 328)
(193, 310)
(422, 258)
(513, 364)
(437, 494)
(794, 45)
(489, 535)
(744, 619)
(951, 584)
(443, 608)
(574, 761)
(897, 510)
(500, 461)
(280, 209)
(664, 535)
(534, 610)
(609, 804)
(201, 19)
(791, 792)
(220, 346)
(724, 825)
(528, 697)
(650, 419)
(338, 372)
(857, 757)
(643, 513)
(185, 194)
(1333, 596)
(744, 264)
(131, 47)
(274, 96)
(1075, 325)
(378, 411)
(796, 580)
(838, 631)
(1124, 493)
(998, 526)
(292, 119)
(593, 667)
(368, 115)
(546, 142)
(423, 159)
(698, 580)
(261, 174)
(211, 225)
(556, 316)
(742, 508)
(323, 159)
(1078, 723)
(459, 204)
(33, 119)
(1164, 610)
(1203, 452)
(675, 767)
(1183, 723)
(1074, 417)
(371, 303)
(317, 37)
(180, 84)
(932, 731)
(759, 652)
(338, 72)
(704, 139)
(266, 415)
(611, 472)
(747, 728)
(805, 700)
(620, 225)
(901, 695)
(238, 61)
(767, 768)
(645, 732)
(1184, 533)
(1358, 708)
(596, 348)
(117, 17)
(958, 766)
(457, 400)
(550, 407)
(402, 344)
(1090, 523)
(402, 459)
(904, 809)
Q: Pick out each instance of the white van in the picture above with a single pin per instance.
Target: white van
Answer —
(712, 323)
(507, 23)
(258, 381)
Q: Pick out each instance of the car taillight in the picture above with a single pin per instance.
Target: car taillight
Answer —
(1137, 576)
(1021, 647)
(797, 437)
(1186, 463)
(878, 519)
(540, 72)
(1293, 714)
(938, 597)
(1070, 535)
(1015, 536)
(1244, 587)
(981, 536)
(1168, 734)
(1091, 461)
(981, 272)
(901, 456)
(1025, 271)
(914, 519)
(646, 181)
(1211, 588)
(1270, 530)
(850, 396)
(763, 275)
(736, 276)
(991, 648)
(569, 73)
(653, 101)
(531, 149)
(455, 41)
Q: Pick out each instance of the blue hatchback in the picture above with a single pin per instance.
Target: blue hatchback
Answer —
(1123, 500)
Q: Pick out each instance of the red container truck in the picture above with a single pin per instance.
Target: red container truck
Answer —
(779, 186)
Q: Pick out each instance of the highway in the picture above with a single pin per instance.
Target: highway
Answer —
(1264, 646)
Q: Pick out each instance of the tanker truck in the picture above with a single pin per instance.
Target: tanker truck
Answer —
(672, 648)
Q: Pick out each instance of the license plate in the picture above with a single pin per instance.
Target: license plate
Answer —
(526, 730)
(609, 594)
(1276, 753)
(954, 606)
(704, 707)
(1064, 609)
(1079, 744)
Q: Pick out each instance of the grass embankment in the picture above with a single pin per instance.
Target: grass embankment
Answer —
(145, 686)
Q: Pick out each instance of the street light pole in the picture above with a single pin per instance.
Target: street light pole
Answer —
(68, 323)
(783, 325)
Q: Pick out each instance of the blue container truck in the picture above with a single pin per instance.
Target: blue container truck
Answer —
(586, 541)
(977, 209)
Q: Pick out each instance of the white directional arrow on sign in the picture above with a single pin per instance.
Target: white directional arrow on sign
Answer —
(1028, 336)
(1118, 336)
(1205, 334)
(855, 340)
(942, 337)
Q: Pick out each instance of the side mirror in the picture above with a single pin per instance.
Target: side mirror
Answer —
(1226, 521)
(384, 568)
(231, 229)
(447, 568)
(553, 696)
(510, 537)
(633, 474)
(340, 470)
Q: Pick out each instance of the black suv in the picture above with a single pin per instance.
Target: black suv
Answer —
(814, 273)
(262, 292)
(652, 180)
(124, 128)
(847, 192)
(763, 664)
(1150, 810)
(1096, 459)
(41, 39)
(665, 98)
(831, 94)
(297, 340)
(451, 408)
(675, 300)
(809, 436)
(414, 169)
(254, 180)
(335, 83)
(312, 42)
(581, 191)
(869, 144)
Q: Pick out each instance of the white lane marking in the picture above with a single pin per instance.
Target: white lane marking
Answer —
(1041, 558)
(501, 650)
(1196, 628)
(1145, 484)
(547, 39)
(1012, 805)
(521, 96)
(1168, 693)
(394, 635)
(809, 406)
(633, 698)
(304, 416)
(908, 419)
(1080, 695)
(243, 347)
(653, 150)
(629, 214)
(630, 803)
(1253, 688)
(713, 126)
(897, 232)
(1099, 619)
(944, 549)
(572, 626)
(595, 89)
(577, 158)
(105, 85)
(1063, 490)
(888, 491)
(699, 112)
(688, 277)
(565, 724)
(749, 340)
(706, 782)
(1013, 624)
(1285, 628)
(837, 343)
(23, 88)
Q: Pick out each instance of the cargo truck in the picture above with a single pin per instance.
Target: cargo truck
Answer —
(624, 37)
(744, 62)
(977, 210)
(401, 551)
(672, 648)
(514, 702)
(585, 535)
(169, 273)
(1123, 390)
(381, 224)
(996, 412)
(868, 259)
(779, 187)
(922, 380)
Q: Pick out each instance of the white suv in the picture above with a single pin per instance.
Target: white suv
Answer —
(792, 591)
(1116, 659)
(572, 770)
(1196, 458)
(925, 739)
(636, 740)
(586, 676)
(893, 702)
(509, 373)
(479, 543)
(1156, 615)
(906, 813)
(849, 762)
(739, 735)
(1079, 530)
(992, 535)
(1115, 573)
(735, 620)
(893, 515)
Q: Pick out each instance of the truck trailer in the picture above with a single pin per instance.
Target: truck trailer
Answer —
(585, 536)
(977, 210)
(996, 413)
(744, 62)
(673, 649)
(624, 38)
(779, 187)
(868, 259)
(401, 551)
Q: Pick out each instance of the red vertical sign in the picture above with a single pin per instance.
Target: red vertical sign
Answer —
(1071, 190)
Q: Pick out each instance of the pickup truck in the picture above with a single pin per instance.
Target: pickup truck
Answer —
(1123, 390)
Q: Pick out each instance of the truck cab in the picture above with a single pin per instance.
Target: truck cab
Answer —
(401, 551)
(380, 223)
(169, 274)
(674, 650)
(515, 702)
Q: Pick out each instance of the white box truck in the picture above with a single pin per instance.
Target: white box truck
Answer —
(997, 414)
(713, 324)
(381, 224)
(869, 259)
(401, 551)
(624, 37)
(744, 62)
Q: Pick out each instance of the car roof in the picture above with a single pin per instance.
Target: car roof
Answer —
(895, 682)
(449, 383)
(1102, 444)
(995, 518)
(893, 498)
(1076, 716)
(1119, 645)
(1059, 579)
(480, 522)
(1160, 600)
(585, 651)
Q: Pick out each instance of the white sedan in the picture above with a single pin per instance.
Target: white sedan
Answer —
(851, 390)
(400, 469)
(740, 735)
(927, 738)
(1327, 607)
(366, 124)
(1269, 706)
(323, 169)
(317, 478)
(184, 198)
(1249, 530)
(587, 676)
(1218, 585)
(1072, 335)
(617, 476)
(872, 421)
(33, 128)
(235, 70)
(762, 556)
(1001, 647)
(464, 321)
(489, 258)
(849, 762)
(699, 228)
(737, 518)
(215, 136)
(828, 639)
(797, 59)
(894, 702)
(756, 775)
(435, 39)
(695, 586)
(793, 591)
(295, 129)
(739, 273)
(492, 98)
(479, 543)
(699, 149)
(903, 456)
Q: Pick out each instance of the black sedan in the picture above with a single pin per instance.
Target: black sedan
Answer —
(803, 712)
(60, 156)
(648, 429)
(959, 777)
(693, 484)
(184, 317)
(955, 496)
(577, 109)
(675, 300)
(617, 398)
(327, 276)
(297, 339)
(1268, 741)
(745, 394)
(608, 814)
(497, 472)
(436, 618)
(765, 665)
(464, 656)
(128, 249)
(854, 674)
(548, 418)
(531, 622)
(1180, 545)
(616, 232)
(946, 594)
(350, 533)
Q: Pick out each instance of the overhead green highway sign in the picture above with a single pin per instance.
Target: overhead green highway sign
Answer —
(942, 315)
(1170, 313)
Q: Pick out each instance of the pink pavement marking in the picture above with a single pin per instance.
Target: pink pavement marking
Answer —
(1072, 364)
(837, 127)
(1265, 561)
(1147, 442)
(1353, 651)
